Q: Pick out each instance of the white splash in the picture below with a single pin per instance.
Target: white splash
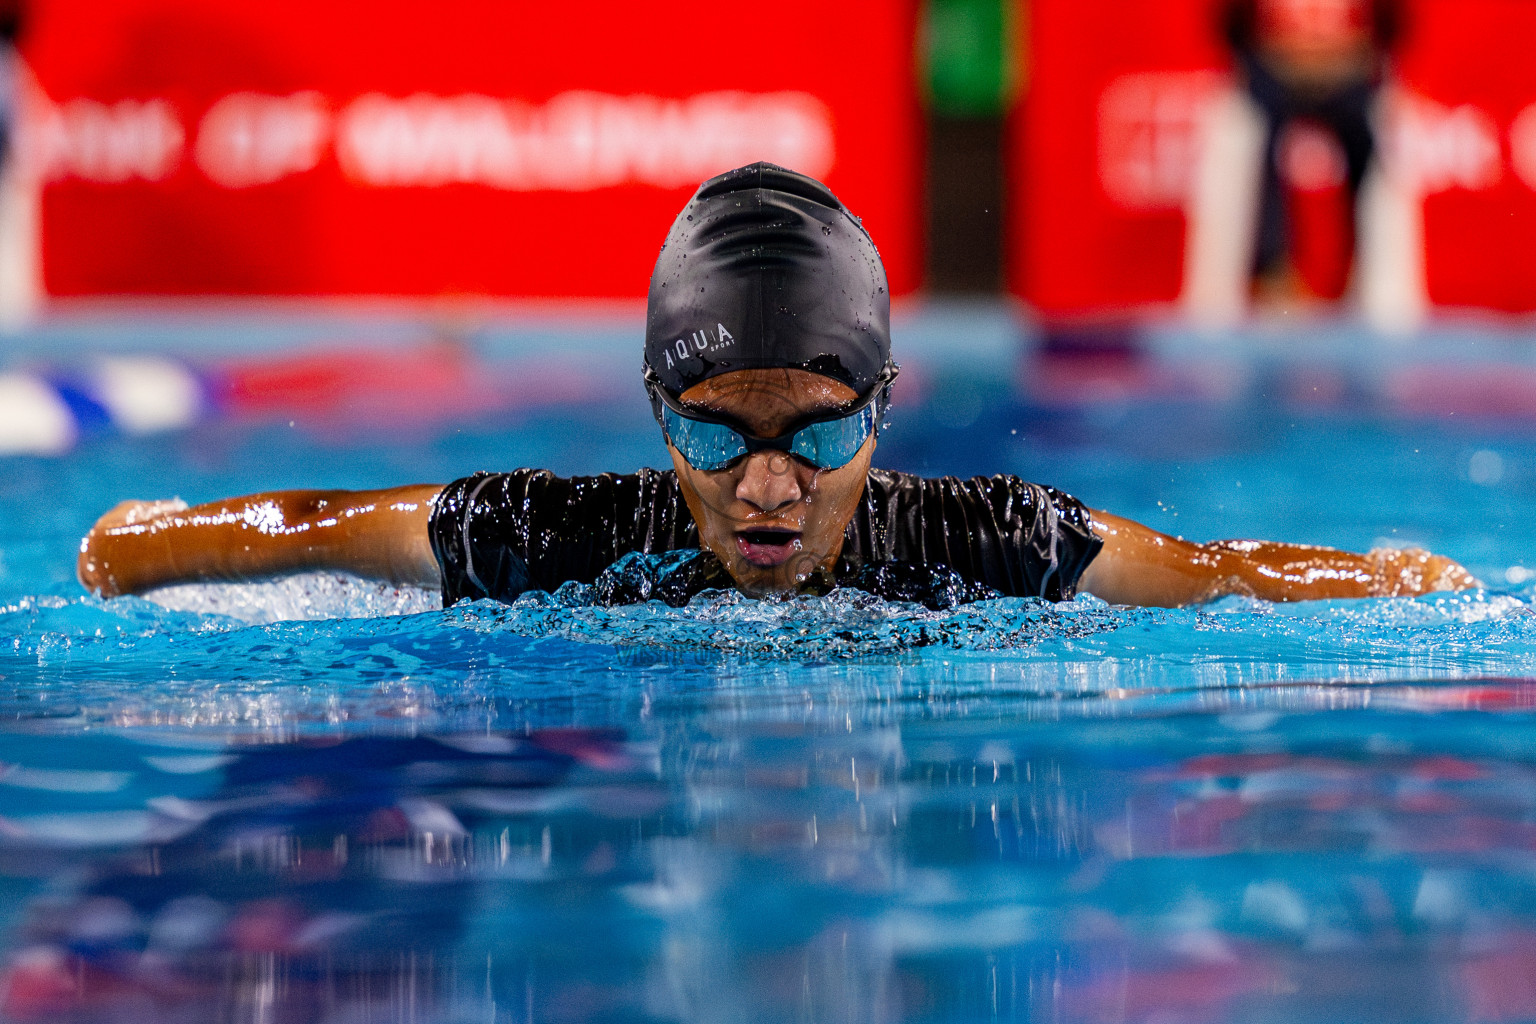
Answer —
(304, 596)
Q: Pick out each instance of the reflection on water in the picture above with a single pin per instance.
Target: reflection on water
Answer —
(325, 880)
(545, 663)
(1314, 853)
(839, 810)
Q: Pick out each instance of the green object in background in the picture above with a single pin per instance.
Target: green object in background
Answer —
(968, 52)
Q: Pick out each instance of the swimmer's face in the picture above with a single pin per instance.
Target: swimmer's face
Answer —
(773, 520)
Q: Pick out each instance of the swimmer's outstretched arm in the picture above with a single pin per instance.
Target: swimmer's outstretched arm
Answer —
(1140, 566)
(375, 534)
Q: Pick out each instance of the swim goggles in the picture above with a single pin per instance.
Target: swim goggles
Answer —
(826, 442)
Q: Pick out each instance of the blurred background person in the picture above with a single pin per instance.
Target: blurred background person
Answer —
(19, 289)
(1313, 68)
(1285, 208)
(10, 29)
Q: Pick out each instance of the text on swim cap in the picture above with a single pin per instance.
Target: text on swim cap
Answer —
(698, 343)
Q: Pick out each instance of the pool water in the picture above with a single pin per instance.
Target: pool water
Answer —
(325, 800)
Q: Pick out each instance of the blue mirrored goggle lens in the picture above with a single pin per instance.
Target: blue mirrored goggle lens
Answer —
(832, 444)
(708, 446)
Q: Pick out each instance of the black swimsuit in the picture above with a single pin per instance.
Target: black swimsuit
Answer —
(938, 541)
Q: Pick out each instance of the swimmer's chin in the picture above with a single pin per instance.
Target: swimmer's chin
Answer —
(764, 583)
(771, 581)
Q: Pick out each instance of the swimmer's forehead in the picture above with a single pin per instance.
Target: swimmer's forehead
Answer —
(769, 400)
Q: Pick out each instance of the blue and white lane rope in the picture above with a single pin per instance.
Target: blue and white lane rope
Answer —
(46, 414)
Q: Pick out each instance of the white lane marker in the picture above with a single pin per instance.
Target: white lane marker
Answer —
(33, 418)
(145, 394)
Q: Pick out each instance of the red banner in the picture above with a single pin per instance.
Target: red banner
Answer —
(1103, 150)
(469, 147)
(1465, 135)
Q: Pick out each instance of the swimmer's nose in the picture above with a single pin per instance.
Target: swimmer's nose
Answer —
(770, 481)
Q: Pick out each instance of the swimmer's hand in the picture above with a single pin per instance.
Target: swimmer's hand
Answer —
(92, 567)
(1140, 566)
(140, 545)
(1414, 571)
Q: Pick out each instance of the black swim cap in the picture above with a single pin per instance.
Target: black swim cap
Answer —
(765, 268)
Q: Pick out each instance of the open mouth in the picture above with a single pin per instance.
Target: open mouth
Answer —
(767, 548)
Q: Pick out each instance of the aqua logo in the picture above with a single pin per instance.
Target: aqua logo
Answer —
(699, 343)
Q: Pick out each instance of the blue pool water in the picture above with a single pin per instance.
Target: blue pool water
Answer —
(323, 800)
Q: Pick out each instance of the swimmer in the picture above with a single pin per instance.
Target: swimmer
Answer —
(768, 367)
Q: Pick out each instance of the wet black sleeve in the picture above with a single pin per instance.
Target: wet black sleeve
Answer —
(1018, 538)
(499, 534)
